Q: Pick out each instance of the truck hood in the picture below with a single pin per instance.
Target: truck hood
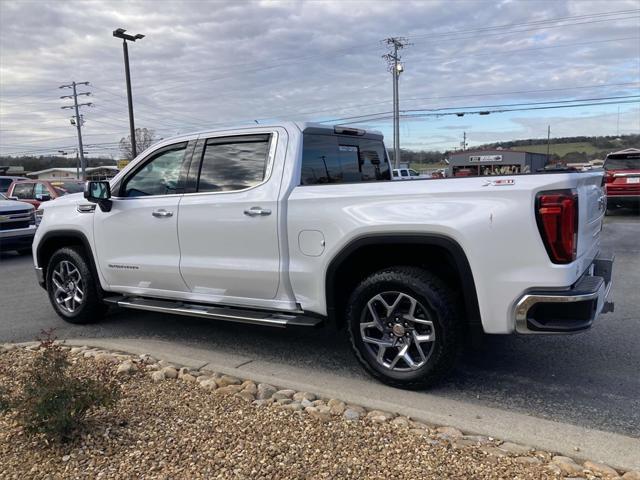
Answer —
(8, 206)
(63, 200)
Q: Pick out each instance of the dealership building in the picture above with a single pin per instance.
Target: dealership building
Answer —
(467, 163)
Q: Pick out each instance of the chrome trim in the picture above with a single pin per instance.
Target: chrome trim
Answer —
(205, 312)
(529, 300)
(86, 208)
(39, 274)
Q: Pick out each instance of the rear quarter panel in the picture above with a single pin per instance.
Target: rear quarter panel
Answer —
(494, 225)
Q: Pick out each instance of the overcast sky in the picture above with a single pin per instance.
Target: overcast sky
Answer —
(208, 64)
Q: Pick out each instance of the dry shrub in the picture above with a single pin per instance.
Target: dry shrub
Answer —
(54, 402)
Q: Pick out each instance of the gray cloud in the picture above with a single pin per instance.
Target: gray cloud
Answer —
(208, 63)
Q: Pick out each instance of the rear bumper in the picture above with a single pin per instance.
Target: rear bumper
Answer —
(567, 311)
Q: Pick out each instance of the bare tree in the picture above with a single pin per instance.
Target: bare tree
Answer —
(145, 137)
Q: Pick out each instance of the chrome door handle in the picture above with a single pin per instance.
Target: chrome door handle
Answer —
(162, 213)
(257, 211)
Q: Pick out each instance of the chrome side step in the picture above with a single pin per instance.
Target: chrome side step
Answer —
(233, 314)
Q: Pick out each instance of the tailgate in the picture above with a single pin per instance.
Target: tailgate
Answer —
(591, 209)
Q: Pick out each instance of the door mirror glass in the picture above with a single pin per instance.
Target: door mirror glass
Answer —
(43, 197)
(97, 191)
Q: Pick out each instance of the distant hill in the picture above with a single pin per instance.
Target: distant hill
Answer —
(572, 149)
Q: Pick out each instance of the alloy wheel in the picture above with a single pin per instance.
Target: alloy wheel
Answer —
(398, 331)
(69, 286)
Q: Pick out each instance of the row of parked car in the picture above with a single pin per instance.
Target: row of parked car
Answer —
(19, 199)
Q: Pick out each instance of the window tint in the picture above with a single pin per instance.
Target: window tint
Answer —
(160, 176)
(338, 159)
(413, 173)
(622, 163)
(395, 173)
(233, 163)
(404, 173)
(4, 184)
(23, 191)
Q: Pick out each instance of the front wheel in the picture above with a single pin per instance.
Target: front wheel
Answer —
(72, 287)
(404, 327)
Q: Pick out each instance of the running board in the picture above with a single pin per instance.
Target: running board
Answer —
(233, 314)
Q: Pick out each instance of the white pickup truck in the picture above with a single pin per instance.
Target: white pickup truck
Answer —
(299, 224)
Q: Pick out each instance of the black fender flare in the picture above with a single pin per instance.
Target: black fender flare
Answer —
(454, 249)
(74, 234)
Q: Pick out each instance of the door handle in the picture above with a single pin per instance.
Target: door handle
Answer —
(257, 211)
(162, 213)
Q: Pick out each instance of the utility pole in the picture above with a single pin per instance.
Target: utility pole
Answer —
(77, 118)
(548, 141)
(119, 33)
(396, 68)
(464, 140)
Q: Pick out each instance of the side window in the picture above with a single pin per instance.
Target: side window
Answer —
(23, 191)
(395, 173)
(413, 173)
(342, 159)
(41, 189)
(233, 163)
(158, 176)
(404, 173)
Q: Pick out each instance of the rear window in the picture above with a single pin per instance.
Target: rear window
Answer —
(342, 159)
(613, 163)
(4, 184)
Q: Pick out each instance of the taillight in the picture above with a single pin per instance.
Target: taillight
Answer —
(557, 217)
(608, 177)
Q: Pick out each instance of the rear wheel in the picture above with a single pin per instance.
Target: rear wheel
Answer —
(72, 287)
(404, 327)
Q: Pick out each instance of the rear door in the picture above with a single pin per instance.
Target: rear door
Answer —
(228, 227)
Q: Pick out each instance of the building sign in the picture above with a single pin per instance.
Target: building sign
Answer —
(485, 158)
(122, 164)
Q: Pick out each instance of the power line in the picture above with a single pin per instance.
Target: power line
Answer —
(395, 67)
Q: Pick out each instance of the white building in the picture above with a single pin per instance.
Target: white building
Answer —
(71, 173)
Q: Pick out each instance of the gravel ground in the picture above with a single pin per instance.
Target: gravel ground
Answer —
(166, 428)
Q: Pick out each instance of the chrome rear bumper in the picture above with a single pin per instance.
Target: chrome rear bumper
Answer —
(567, 311)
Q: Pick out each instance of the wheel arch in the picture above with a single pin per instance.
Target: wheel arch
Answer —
(430, 247)
(56, 239)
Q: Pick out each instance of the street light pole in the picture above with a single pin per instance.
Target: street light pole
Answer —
(119, 33)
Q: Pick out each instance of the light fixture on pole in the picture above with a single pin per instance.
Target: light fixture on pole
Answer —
(119, 33)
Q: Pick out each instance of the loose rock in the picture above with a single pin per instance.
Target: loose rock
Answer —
(226, 380)
(567, 465)
(170, 372)
(157, 376)
(600, 468)
(126, 367)
(299, 396)
(265, 391)
(634, 475)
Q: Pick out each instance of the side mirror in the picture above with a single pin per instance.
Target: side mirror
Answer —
(43, 197)
(14, 198)
(100, 193)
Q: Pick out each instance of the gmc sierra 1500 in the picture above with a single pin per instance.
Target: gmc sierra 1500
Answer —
(298, 224)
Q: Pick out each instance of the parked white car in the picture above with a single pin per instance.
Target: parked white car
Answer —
(406, 174)
(297, 224)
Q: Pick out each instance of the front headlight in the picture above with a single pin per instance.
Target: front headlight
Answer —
(39, 215)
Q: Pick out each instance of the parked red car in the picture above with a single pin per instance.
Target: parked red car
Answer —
(37, 191)
(622, 178)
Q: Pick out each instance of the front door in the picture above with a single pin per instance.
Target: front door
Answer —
(137, 241)
(228, 228)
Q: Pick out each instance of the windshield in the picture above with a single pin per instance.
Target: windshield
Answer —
(622, 164)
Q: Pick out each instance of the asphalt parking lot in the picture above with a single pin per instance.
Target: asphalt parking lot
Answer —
(591, 379)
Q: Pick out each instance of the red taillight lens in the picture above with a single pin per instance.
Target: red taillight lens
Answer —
(608, 178)
(557, 216)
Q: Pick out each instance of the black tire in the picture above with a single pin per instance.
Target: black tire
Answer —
(91, 308)
(435, 298)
